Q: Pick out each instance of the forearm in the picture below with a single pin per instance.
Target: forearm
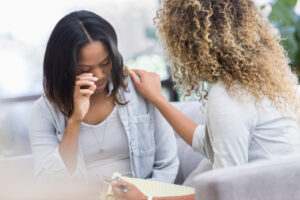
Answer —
(188, 197)
(180, 123)
(68, 148)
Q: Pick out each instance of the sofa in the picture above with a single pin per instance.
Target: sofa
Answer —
(275, 180)
(264, 180)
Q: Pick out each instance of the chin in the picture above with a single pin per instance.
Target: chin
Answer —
(99, 91)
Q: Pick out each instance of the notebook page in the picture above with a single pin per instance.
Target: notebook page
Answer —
(157, 189)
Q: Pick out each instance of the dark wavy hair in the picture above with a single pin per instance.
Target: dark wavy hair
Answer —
(68, 37)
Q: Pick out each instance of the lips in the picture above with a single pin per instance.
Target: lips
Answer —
(101, 84)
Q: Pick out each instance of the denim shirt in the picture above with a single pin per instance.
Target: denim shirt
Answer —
(152, 145)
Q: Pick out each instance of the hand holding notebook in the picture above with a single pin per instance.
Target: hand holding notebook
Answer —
(153, 188)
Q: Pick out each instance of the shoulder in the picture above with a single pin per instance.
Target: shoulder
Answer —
(43, 108)
(220, 97)
(130, 92)
(40, 105)
(135, 100)
(222, 105)
(218, 90)
(43, 104)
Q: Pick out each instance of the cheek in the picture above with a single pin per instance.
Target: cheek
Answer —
(108, 70)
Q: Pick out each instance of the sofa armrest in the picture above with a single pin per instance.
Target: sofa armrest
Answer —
(262, 180)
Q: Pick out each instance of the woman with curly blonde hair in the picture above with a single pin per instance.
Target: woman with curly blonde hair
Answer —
(253, 104)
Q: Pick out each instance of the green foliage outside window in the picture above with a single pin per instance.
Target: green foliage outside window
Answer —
(284, 17)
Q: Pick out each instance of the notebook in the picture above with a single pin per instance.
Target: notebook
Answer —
(153, 188)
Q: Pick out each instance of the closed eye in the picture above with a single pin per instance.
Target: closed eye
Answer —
(83, 69)
(105, 63)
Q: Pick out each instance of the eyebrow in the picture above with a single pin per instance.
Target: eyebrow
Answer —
(99, 63)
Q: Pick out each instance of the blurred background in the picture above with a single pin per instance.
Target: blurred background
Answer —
(25, 27)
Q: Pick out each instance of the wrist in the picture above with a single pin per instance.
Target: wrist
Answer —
(146, 197)
(157, 100)
(74, 121)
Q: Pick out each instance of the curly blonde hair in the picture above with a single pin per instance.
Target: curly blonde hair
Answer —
(227, 40)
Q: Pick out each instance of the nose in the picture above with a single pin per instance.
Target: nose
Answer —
(99, 73)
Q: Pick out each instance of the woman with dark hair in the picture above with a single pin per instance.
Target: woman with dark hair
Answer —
(253, 106)
(91, 121)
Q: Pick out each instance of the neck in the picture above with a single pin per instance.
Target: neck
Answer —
(99, 97)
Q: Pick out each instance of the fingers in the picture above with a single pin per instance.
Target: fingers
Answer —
(142, 73)
(91, 88)
(89, 91)
(85, 84)
(85, 81)
(134, 78)
(87, 76)
(85, 87)
(123, 185)
(139, 72)
(120, 183)
(140, 76)
(116, 188)
(86, 92)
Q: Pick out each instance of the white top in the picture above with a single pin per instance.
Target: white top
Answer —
(240, 132)
(105, 147)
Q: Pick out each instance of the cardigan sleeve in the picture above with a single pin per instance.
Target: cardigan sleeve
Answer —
(45, 144)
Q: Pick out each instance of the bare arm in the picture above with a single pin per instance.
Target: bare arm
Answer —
(180, 123)
(68, 148)
(149, 86)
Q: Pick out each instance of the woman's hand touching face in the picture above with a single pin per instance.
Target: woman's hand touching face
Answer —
(93, 71)
(84, 87)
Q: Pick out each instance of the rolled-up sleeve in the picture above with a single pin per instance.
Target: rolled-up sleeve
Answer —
(45, 145)
(199, 142)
